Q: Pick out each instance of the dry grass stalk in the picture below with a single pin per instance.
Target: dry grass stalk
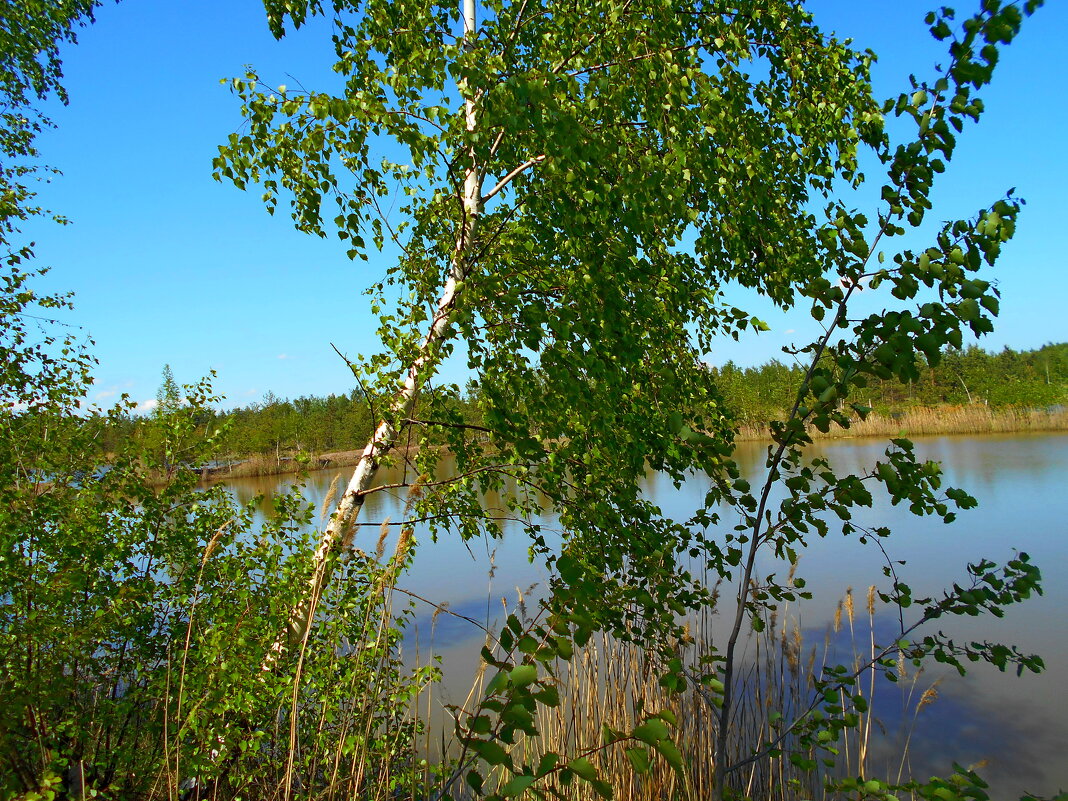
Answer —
(976, 418)
(328, 500)
(611, 683)
(380, 546)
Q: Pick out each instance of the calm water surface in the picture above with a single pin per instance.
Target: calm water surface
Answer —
(1018, 726)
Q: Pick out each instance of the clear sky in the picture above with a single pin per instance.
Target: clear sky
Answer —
(169, 266)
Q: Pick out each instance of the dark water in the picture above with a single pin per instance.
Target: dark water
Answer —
(1015, 727)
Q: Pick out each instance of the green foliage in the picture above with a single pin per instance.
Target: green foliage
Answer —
(581, 184)
(1027, 379)
(30, 70)
(168, 396)
(318, 425)
(134, 616)
(524, 663)
(139, 622)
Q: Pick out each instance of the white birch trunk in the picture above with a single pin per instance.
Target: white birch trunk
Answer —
(337, 536)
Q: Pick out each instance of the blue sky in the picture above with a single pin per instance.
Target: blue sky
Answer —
(169, 266)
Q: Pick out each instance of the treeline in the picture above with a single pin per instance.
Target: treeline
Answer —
(280, 429)
(1033, 379)
(273, 427)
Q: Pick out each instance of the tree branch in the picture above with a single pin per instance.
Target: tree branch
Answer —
(508, 178)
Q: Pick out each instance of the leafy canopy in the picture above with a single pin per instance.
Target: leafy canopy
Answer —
(631, 159)
(575, 188)
(31, 34)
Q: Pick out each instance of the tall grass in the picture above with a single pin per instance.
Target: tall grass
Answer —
(612, 683)
(920, 421)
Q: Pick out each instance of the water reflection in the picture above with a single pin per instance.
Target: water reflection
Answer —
(1017, 724)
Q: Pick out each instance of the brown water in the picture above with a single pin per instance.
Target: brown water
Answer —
(1018, 725)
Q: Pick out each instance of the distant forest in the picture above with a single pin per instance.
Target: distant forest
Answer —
(1034, 379)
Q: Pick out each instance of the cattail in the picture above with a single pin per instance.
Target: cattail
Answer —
(328, 499)
(404, 545)
(930, 695)
(415, 492)
(521, 605)
(714, 598)
(380, 548)
(213, 543)
(434, 617)
(400, 556)
(792, 650)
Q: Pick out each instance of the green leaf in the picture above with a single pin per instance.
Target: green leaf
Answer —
(474, 780)
(583, 768)
(670, 752)
(522, 675)
(602, 788)
(517, 785)
(547, 763)
(549, 697)
(639, 759)
(497, 683)
(652, 731)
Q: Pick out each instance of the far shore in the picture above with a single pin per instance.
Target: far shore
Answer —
(923, 421)
(977, 419)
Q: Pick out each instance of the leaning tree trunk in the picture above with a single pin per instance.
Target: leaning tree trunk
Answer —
(338, 534)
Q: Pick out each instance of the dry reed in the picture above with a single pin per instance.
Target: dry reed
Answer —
(614, 684)
(926, 421)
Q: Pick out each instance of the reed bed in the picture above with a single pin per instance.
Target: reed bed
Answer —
(270, 465)
(926, 421)
(615, 684)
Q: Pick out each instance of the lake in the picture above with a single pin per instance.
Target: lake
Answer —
(1017, 725)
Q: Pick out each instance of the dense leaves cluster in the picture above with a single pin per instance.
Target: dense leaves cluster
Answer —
(30, 70)
(580, 185)
(582, 313)
(134, 615)
(751, 396)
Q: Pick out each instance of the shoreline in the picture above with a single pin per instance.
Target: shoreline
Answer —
(918, 422)
(924, 421)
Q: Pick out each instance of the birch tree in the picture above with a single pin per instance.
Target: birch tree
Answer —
(575, 186)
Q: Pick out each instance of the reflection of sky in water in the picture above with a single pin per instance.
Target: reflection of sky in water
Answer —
(1018, 724)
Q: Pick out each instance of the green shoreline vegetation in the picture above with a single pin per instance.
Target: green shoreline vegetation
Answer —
(973, 391)
(159, 640)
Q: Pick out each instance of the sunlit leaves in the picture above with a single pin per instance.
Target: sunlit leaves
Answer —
(631, 162)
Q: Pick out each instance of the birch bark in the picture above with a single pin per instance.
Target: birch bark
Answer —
(337, 537)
